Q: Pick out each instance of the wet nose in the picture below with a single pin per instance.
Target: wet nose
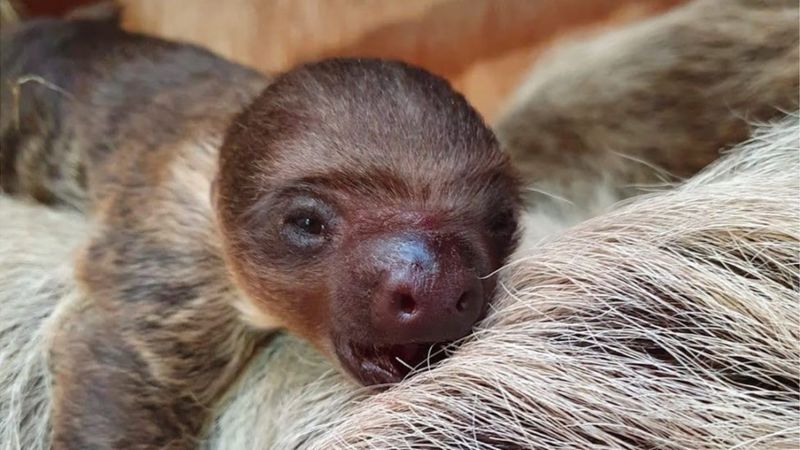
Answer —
(429, 293)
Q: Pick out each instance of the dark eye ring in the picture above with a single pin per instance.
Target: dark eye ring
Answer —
(308, 224)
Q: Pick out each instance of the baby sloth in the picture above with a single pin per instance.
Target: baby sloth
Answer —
(359, 203)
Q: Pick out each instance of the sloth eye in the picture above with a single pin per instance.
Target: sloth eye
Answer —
(308, 224)
(306, 230)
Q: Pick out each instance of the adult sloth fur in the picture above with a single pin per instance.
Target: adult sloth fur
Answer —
(671, 322)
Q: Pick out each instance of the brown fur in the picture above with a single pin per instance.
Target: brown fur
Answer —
(654, 101)
(128, 128)
(163, 348)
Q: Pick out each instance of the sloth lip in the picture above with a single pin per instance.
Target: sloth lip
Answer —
(388, 364)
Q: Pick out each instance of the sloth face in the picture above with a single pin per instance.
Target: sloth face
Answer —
(365, 206)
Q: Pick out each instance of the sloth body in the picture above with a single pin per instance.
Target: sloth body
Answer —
(355, 203)
(662, 325)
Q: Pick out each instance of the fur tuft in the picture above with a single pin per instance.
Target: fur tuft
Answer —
(35, 280)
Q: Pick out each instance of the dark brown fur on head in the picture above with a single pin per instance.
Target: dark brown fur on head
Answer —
(373, 151)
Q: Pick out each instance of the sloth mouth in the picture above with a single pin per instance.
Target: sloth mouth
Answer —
(380, 365)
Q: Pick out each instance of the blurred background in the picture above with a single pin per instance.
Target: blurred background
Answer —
(484, 47)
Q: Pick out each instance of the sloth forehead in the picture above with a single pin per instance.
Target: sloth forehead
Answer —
(399, 171)
(404, 148)
(371, 187)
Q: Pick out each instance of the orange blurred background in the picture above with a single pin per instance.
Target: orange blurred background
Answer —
(483, 47)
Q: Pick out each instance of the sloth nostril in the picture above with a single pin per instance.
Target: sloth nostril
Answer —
(406, 304)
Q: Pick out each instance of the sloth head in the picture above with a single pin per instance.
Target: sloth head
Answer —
(365, 205)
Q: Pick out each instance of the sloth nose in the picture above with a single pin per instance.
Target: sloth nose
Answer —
(428, 293)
